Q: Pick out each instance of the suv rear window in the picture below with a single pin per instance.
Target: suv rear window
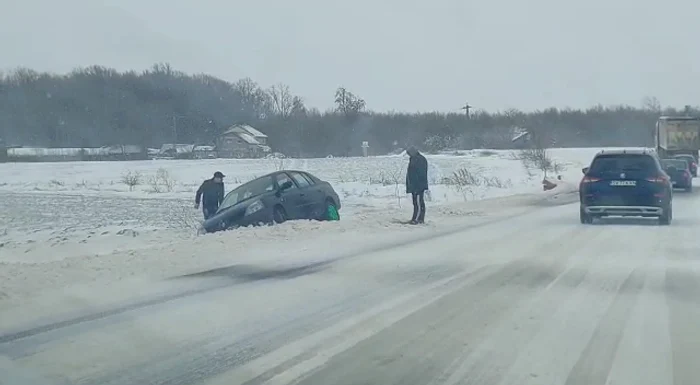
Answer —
(635, 166)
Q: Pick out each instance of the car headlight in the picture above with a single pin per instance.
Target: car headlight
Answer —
(254, 208)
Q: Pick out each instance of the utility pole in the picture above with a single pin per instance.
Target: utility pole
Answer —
(466, 109)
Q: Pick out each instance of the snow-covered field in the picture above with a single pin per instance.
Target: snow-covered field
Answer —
(374, 181)
(70, 223)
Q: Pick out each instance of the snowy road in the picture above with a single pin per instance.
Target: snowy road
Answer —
(534, 299)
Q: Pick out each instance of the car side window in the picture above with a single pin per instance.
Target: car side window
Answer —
(282, 179)
(300, 179)
(309, 178)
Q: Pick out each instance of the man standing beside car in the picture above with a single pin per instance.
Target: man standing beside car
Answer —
(417, 183)
(210, 194)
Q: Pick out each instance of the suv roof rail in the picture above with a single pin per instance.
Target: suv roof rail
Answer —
(627, 151)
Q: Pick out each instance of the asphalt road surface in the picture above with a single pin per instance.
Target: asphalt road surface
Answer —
(530, 300)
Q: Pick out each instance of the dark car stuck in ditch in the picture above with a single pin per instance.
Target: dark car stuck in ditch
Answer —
(275, 198)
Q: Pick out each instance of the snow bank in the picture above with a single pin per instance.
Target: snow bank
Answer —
(32, 287)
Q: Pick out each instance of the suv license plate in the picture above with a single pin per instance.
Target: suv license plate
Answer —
(623, 183)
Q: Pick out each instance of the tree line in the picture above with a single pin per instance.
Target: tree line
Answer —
(98, 106)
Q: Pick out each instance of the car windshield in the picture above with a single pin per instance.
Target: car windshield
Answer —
(248, 190)
(677, 163)
(633, 165)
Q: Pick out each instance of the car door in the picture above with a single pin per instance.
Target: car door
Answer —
(312, 197)
(292, 199)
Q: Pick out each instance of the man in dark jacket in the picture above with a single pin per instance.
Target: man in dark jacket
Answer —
(210, 194)
(417, 183)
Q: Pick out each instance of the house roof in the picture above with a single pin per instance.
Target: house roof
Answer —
(522, 135)
(244, 128)
(253, 131)
(248, 138)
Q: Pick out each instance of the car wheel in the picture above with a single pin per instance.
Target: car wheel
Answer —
(331, 212)
(666, 216)
(585, 218)
(279, 215)
(689, 188)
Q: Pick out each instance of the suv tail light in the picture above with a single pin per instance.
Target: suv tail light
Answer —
(686, 174)
(589, 179)
(586, 180)
(658, 179)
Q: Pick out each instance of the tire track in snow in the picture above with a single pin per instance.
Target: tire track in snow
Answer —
(683, 294)
(593, 367)
(219, 356)
(485, 300)
(486, 362)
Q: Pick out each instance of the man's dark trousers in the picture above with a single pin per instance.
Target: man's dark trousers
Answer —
(418, 207)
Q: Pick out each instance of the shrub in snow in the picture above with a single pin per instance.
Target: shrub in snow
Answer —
(184, 218)
(279, 163)
(132, 179)
(466, 181)
(539, 159)
(162, 181)
(128, 232)
(436, 143)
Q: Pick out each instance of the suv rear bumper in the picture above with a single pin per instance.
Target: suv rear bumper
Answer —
(624, 210)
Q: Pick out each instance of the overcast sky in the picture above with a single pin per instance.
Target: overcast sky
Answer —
(406, 55)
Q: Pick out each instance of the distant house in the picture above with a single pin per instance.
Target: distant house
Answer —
(246, 129)
(121, 152)
(204, 152)
(242, 141)
(521, 138)
(176, 151)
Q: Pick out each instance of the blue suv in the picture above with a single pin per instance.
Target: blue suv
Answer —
(626, 183)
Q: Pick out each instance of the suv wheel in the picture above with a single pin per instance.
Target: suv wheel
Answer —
(585, 218)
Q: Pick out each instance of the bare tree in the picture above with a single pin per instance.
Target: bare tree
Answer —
(23, 76)
(252, 97)
(298, 107)
(651, 103)
(98, 106)
(347, 103)
(282, 101)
